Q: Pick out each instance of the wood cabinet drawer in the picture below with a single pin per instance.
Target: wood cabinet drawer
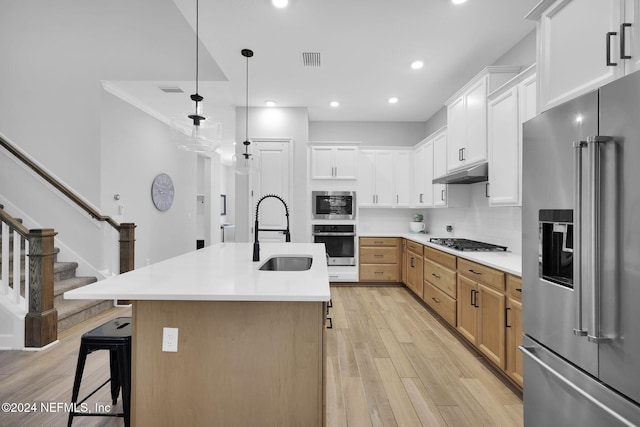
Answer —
(514, 287)
(414, 247)
(481, 274)
(440, 257)
(379, 273)
(442, 303)
(440, 277)
(381, 255)
(379, 241)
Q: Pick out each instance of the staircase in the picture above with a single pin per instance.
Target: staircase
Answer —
(70, 312)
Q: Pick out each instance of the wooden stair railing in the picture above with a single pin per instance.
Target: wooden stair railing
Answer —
(41, 323)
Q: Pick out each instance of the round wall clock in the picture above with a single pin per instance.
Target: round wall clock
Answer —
(162, 192)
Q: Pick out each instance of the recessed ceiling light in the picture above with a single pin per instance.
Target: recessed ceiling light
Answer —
(393, 100)
(416, 65)
(280, 3)
(458, 1)
(270, 103)
(334, 104)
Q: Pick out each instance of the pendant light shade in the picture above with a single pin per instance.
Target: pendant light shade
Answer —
(198, 136)
(245, 162)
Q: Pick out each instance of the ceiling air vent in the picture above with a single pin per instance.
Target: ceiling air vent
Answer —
(311, 59)
(170, 89)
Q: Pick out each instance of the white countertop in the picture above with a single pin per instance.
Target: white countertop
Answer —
(222, 272)
(505, 261)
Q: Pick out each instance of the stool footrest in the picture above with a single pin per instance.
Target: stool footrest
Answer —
(93, 392)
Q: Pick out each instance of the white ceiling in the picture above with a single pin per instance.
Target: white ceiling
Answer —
(366, 49)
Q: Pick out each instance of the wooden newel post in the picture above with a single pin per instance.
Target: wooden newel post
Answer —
(127, 250)
(41, 323)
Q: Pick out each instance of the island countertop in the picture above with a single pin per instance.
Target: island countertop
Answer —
(222, 272)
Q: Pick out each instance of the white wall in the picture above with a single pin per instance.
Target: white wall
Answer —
(368, 133)
(51, 107)
(500, 225)
(135, 148)
(286, 123)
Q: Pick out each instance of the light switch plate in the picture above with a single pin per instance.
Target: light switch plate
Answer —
(170, 339)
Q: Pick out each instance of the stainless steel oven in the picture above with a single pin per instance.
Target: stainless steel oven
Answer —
(339, 241)
(333, 204)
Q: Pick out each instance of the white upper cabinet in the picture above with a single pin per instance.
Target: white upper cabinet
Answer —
(584, 44)
(440, 167)
(423, 174)
(376, 186)
(467, 117)
(508, 108)
(334, 162)
(403, 175)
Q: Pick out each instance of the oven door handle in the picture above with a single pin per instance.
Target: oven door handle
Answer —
(334, 234)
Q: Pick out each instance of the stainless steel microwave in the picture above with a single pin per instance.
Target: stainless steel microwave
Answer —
(333, 204)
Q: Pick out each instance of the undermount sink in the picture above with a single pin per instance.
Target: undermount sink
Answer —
(287, 263)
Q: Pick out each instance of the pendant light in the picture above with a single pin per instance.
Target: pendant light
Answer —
(199, 137)
(246, 163)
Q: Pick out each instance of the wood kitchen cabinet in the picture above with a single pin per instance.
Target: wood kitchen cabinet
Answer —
(440, 291)
(338, 162)
(414, 268)
(380, 259)
(513, 327)
(581, 43)
(481, 309)
(508, 108)
(467, 117)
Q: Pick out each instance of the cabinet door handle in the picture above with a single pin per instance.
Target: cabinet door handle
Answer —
(609, 35)
(506, 317)
(460, 154)
(373, 199)
(435, 275)
(474, 272)
(436, 300)
(463, 154)
(486, 190)
(473, 293)
(378, 272)
(411, 262)
(378, 255)
(519, 290)
(421, 197)
(397, 199)
(623, 39)
(330, 323)
(442, 195)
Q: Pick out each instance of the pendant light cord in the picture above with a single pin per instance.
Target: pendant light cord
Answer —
(246, 129)
(197, 38)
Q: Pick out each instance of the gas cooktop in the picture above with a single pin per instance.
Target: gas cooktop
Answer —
(466, 244)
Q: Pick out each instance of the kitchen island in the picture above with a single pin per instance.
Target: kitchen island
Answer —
(250, 342)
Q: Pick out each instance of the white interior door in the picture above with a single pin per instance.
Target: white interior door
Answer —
(274, 177)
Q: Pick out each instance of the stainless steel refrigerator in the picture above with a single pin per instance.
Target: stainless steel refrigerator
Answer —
(581, 260)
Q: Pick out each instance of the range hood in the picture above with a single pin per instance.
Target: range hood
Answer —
(470, 175)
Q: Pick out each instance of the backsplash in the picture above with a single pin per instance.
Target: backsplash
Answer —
(499, 225)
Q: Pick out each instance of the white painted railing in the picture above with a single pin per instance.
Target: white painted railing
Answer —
(11, 278)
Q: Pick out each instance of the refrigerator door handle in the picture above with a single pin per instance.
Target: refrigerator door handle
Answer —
(577, 235)
(593, 142)
(529, 351)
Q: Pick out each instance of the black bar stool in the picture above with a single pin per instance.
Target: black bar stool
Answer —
(114, 336)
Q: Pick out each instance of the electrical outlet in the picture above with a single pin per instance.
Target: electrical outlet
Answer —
(170, 339)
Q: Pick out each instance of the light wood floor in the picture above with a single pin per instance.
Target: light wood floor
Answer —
(390, 362)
